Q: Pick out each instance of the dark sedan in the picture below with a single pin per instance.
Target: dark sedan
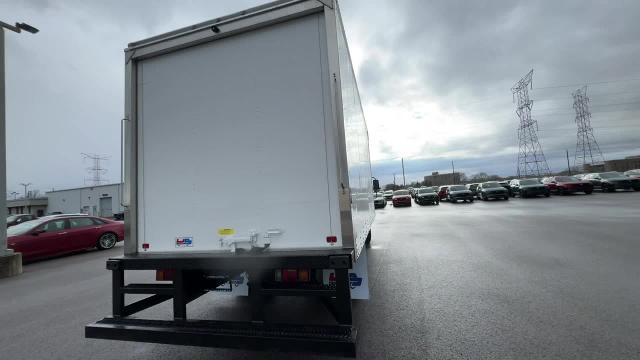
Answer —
(528, 188)
(379, 202)
(473, 188)
(612, 181)
(55, 235)
(492, 190)
(562, 185)
(459, 192)
(401, 198)
(19, 219)
(426, 196)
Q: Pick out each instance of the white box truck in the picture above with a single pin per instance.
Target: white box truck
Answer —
(246, 162)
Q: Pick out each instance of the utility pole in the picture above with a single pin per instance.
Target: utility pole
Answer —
(586, 146)
(453, 172)
(15, 194)
(394, 181)
(10, 262)
(404, 182)
(568, 165)
(531, 160)
(25, 188)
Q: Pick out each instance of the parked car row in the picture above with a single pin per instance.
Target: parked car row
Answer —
(524, 188)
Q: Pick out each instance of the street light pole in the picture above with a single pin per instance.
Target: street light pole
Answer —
(25, 188)
(10, 263)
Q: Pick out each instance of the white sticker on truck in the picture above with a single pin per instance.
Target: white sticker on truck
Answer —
(184, 241)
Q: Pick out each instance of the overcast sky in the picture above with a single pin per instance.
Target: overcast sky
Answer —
(434, 77)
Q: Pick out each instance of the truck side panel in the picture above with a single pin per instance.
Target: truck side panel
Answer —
(357, 144)
(237, 126)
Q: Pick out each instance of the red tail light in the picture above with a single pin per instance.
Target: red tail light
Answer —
(289, 275)
(145, 246)
(332, 239)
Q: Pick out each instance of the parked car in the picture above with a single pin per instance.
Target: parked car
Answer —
(19, 219)
(388, 194)
(612, 181)
(442, 193)
(379, 202)
(492, 190)
(528, 187)
(401, 198)
(633, 173)
(473, 188)
(562, 185)
(505, 184)
(459, 192)
(427, 195)
(55, 235)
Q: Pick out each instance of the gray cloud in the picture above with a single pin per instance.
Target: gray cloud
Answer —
(65, 84)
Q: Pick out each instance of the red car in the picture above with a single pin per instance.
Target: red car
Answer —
(58, 234)
(563, 185)
(442, 193)
(401, 198)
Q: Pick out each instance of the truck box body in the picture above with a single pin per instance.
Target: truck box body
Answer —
(244, 133)
(255, 130)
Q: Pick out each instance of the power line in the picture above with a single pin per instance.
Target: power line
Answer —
(588, 83)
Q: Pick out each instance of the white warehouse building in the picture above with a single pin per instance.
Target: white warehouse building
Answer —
(99, 200)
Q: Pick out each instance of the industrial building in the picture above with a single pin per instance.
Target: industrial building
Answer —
(34, 206)
(621, 165)
(99, 200)
(437, 179)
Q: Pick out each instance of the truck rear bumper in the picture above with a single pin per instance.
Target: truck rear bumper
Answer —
(333, 339)
(188, 285)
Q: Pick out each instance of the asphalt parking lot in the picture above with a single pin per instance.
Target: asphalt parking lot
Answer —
(538, 278)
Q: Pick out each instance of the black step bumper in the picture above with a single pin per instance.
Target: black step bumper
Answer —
(329, 339)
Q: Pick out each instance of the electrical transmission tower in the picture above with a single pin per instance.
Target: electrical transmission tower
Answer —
(96, 170)
(531, 161)
(587, 148)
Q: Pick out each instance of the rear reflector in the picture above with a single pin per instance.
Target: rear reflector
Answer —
(303, 275)
(164, 275)
(332, 239)
(289, 275)
(145, 246)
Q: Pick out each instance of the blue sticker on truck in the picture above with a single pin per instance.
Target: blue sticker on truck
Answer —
(354, 280)
(185, 241)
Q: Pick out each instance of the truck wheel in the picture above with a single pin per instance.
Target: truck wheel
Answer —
(368, 241)
(107, 241)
